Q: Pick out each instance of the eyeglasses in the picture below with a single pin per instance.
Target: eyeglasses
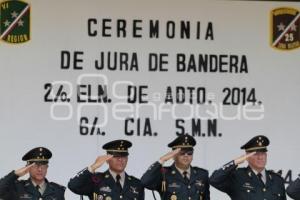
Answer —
(189, 153)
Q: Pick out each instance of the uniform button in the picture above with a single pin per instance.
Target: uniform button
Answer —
(264, 189)
(190, 197)
(121, 197)
(248, 190)
(189, 187)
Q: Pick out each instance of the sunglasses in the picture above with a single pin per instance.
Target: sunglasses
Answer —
(189, 153)
(39, 165)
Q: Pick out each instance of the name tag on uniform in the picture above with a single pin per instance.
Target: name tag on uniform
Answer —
(174, 185)
(248, 186)
(25, 196)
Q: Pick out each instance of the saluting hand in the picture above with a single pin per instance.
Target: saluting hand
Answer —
(100, 160)
(169, 155)
(23, 170)
(243, 158)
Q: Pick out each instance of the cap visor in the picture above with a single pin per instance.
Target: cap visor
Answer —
(118, 154)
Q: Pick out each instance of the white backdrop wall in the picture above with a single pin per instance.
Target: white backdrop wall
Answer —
(261, 97)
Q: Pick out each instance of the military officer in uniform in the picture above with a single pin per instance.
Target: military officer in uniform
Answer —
(253, 182)
(180, 181)
(113, 184)
(293, 190)
(37, 186)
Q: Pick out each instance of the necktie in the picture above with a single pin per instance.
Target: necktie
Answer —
(118, 183)
(185, 177)
(260, 178)
(38, 190)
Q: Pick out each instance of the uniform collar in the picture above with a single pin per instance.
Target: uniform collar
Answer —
(43, 186)
(181, 171)
(114, 174)
(263, 173)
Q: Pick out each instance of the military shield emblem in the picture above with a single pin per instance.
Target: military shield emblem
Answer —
(285, 28)
(15, 21)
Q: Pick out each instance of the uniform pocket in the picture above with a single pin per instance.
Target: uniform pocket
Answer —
(200, 186)
(248, 190)
(25, 196)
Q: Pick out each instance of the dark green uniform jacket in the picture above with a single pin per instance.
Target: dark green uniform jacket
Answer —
(293, 190)
(13, 189)
(176, 188)
(103, 186)
(244, 184)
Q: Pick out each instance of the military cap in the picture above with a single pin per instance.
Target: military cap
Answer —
(257, 144)
(39, 155)
(185, 142)
(117, 147)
